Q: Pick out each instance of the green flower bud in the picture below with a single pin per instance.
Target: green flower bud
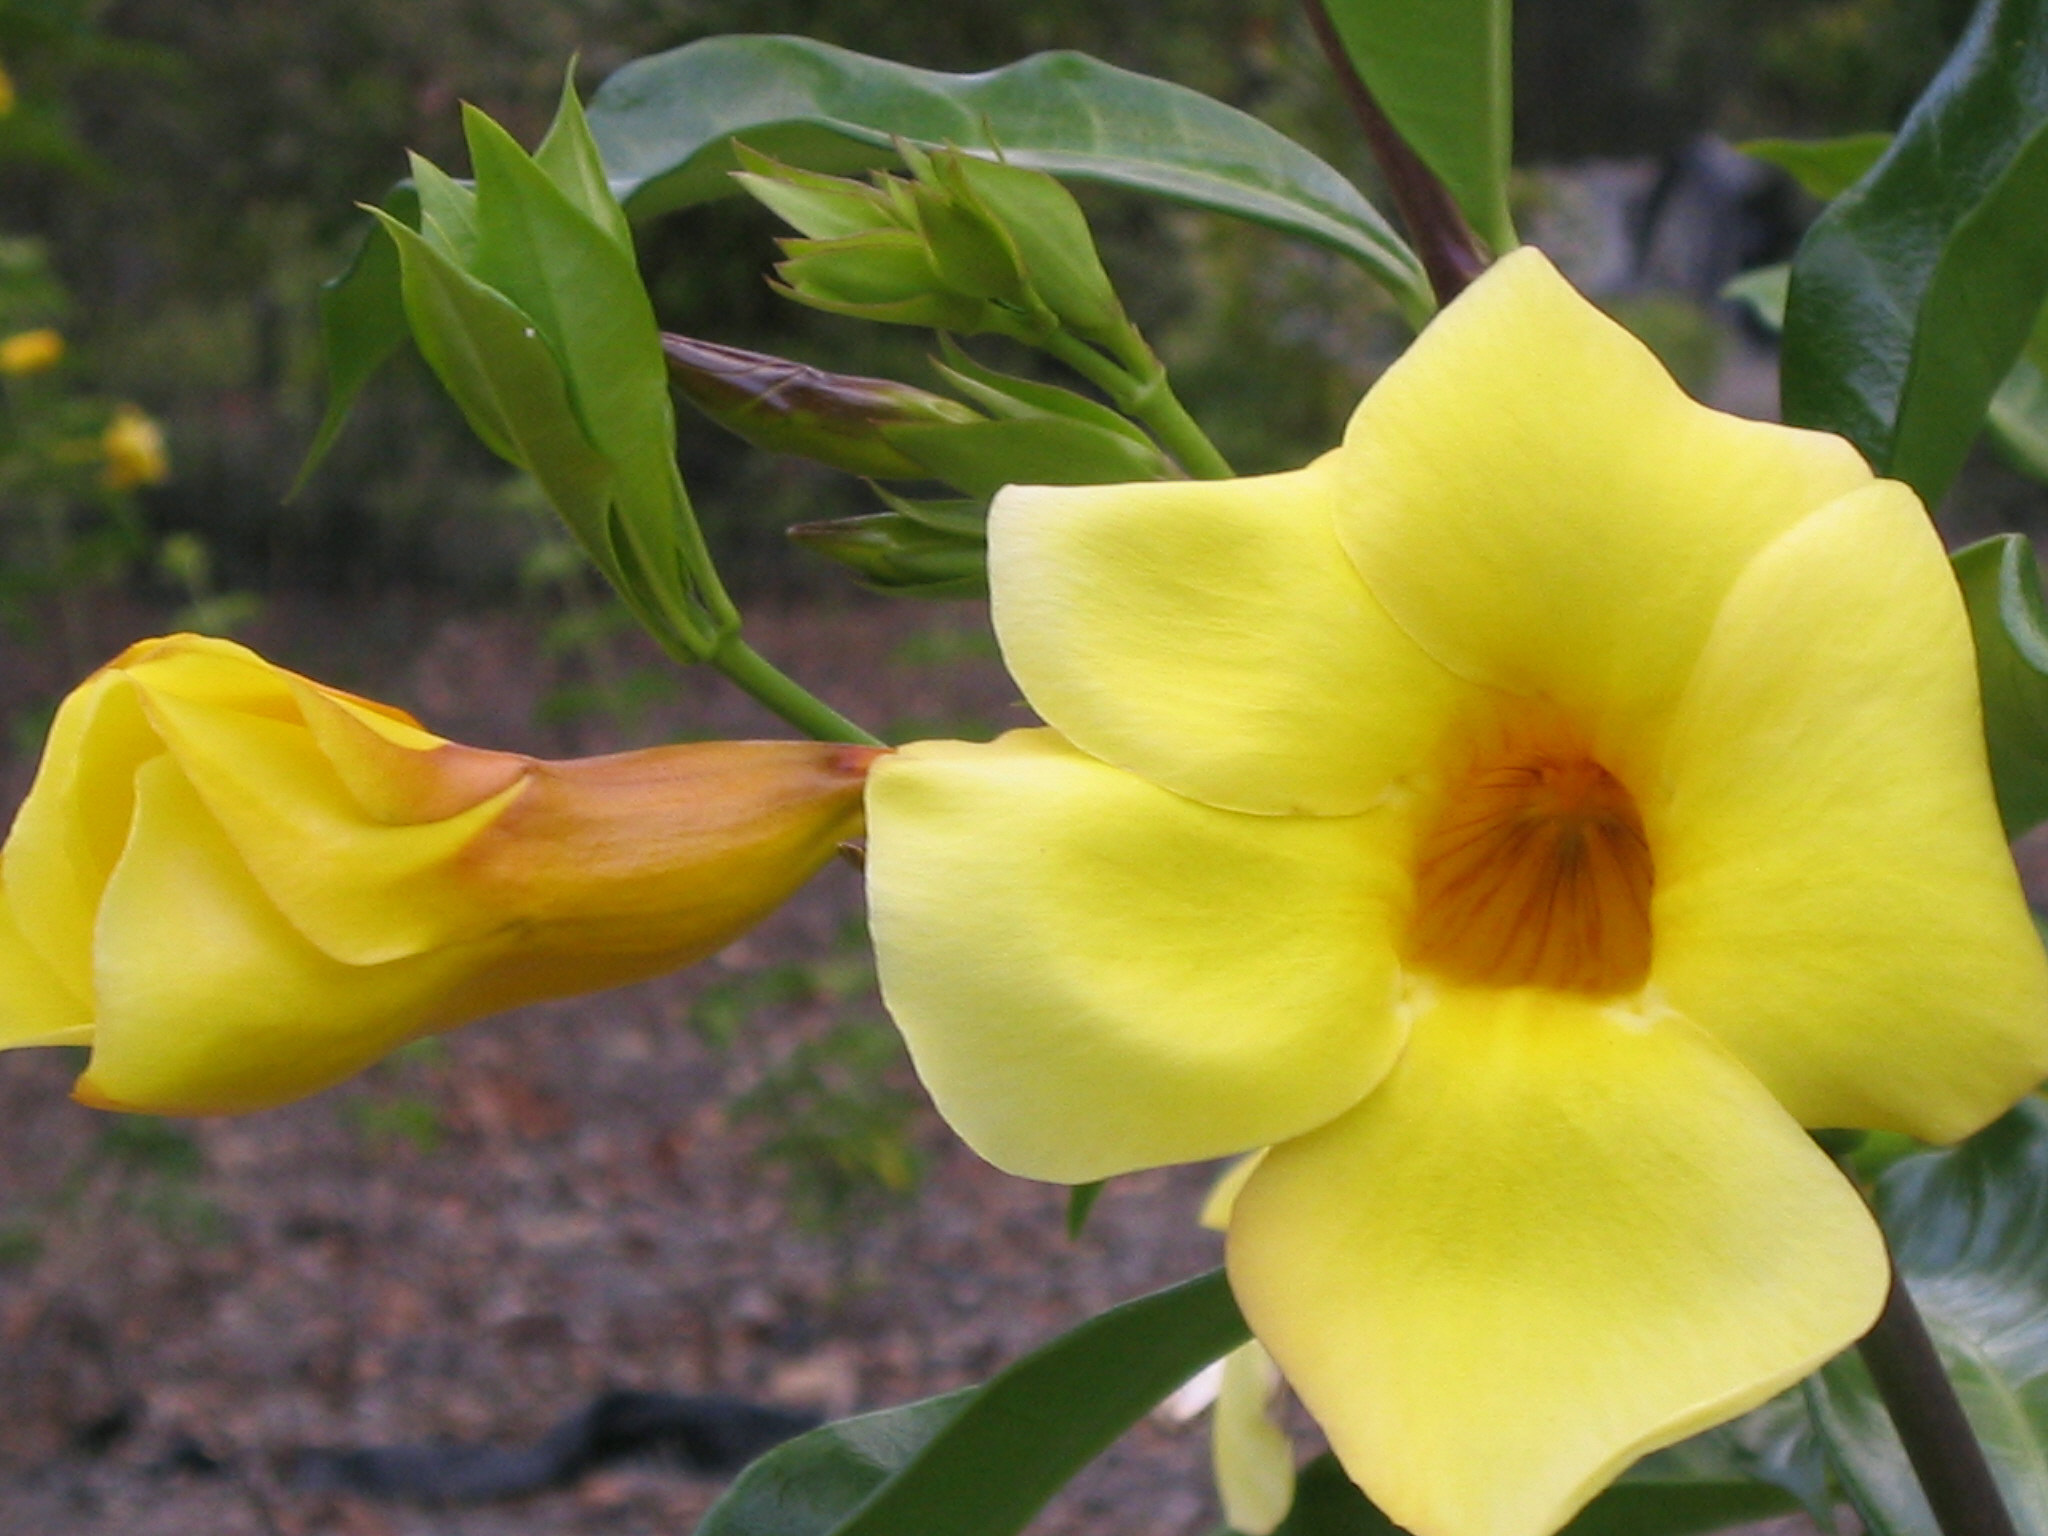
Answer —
(787, 407)
(900, 553)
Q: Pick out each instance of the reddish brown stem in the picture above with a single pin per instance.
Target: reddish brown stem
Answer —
(1451, 254)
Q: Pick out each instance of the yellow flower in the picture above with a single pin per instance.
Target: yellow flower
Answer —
(27, 352)
(133, 445)
(6, 92)
(239, 886)
(1524, 819)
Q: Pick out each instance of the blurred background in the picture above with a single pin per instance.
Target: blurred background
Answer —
(725, 1182)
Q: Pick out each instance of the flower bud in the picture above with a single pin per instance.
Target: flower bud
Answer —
(900, 554)
(27, 352)
(133, 446)
(785, 407)
(238, 886)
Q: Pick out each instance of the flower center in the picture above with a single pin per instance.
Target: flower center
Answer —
(1535, 872)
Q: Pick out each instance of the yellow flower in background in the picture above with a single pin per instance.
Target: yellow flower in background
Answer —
(1523, 820)
(239, 886)
(28, 352)
(6, 92)
(133, 446)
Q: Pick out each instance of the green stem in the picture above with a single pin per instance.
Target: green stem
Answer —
(1939, 1442)
(1149, 398)
(801, 708)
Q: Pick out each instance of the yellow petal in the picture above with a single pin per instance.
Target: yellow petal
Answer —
(1253, 1457)
(1834, 897)
(1096, 975)
(35, 1007)
(72, 826)
(1559, 1236)
(1543, 510)
(364, 891)
(1211, 637)
(209, 1001)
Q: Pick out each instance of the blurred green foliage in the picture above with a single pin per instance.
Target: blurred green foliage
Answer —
(194, 169)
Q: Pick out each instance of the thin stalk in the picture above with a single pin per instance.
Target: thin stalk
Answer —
(1150, 399)
(1451, 254)
(1939, 1442)
(805, 710)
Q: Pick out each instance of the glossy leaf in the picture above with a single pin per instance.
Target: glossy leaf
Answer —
(984, 1461)
(1914, 292)
(1326, 1503)
(2001, 584)
(808, 1485)
(1824, 167)
(665, 124)
(2019, 411)
(1442, 72)
(1969, 1232)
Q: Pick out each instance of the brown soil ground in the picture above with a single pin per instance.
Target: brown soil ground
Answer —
(473, 1239)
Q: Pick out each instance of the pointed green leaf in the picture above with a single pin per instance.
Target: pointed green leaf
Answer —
(2002, 587)
(507, 383)
(807, 1486)
(362, 322)
(1080, 1202)
(982, 457)
(982, 1462)
(665, 124)
(447, 211)
(1969, 1232)
(1824, 167)
(569, 156)
(583, 293)
(1914, 292)
(2019, 411)
(1442, 72)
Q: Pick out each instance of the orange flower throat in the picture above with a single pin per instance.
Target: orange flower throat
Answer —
(1535, 872)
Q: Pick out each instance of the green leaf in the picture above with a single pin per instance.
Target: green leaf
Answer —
(902, 555)
(1327, 1504)
(1969, 1233)
(447, 211)
(982, 457)
(581, 290)
(507, 383)
(1080, 1202)
(1914, 292)
(984, 1461)
(362, 322)
(1442, 72)
(666, 123)
(1824, 167)
(2019, 411)
(2001, 584)
(569, 156)
(805, 1487)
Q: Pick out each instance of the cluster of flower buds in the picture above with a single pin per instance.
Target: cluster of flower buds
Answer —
(963, 244)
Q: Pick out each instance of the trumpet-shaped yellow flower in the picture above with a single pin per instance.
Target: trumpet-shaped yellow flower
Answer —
(30, 352)
(133, 446)
(239, 886)
(1524, 820)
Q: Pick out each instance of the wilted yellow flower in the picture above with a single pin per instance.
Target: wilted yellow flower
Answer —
(133, 445)
(239, 886)
(27, 352)
(1524, 820)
